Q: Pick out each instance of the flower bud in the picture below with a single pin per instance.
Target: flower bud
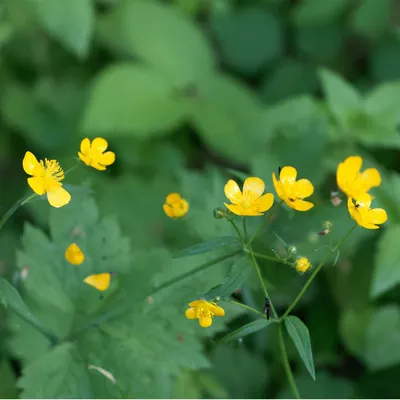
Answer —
(302, 264)
(292, 249)
(219, 213)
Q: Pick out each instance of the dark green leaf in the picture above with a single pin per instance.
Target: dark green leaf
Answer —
(212, 244)
(301, 338)
(245, 330)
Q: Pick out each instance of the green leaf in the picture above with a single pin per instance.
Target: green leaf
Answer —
(245, 330)
(387, 273)
(71, 22)
(164, 38)
(8, 389)
(343, 99)
(208, 246)
(238, 33)
(60, 373)
(382, 349)
(298, 331)
(11, 299)
(128, 99)
(237, 276)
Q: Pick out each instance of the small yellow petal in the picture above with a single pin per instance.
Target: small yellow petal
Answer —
(364, 200)
(173, 198)
(99, 144)
(288, 174)
(191, 313)
(195, 303)
(300, 205)
(377, 216)
(232, 192)
(254, 187)
(37, 185)
(205, 322)
(107, 158)
(74, 254)
(303, 188)
(278, 187)
(218, 311)
(100, 281)
(302, 264)
(58, 197)
(30, 164)
(85, 159)
(85, 146)
(265, 202)
(370, 178)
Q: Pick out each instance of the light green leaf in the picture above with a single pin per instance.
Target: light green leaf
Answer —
(71, 22)
(245, 330)
(387, 272)
(60, 373)
(237, 276)
(298, 331)
(164, 38)
(343, 99)
(382, 349)
(238, 34)
(128, 99)
(212, 244)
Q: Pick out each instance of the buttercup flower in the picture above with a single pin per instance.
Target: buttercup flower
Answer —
(204, 311)
(302, 264)
(46, 178)
(353, 182)
(175, 206)
(251, 202)
(92, 154)
(74, 254)
(100, 281)
(293, 192)
(363, 214)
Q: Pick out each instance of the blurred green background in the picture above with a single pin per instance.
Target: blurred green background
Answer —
(190, 93)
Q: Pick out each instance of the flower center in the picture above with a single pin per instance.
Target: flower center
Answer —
(52, 170)
(203, 312)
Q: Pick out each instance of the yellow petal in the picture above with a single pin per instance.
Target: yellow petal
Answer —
(168, 210)
(37, 185)
(85, 147)
(278, 187)
(232, 192)
(364, 200)
(288, 174)
(349, 169)
(254, 187)
(96, 165)
(195, 303)
(377, 216)
(84, 158)
(300, 205)
(100, 281)
(58, 197)
(107, 158)
(239, 210)
(74, 254)
(218, 311)
(191, 313)
(173, 198)
(205, 322)
(303, 188)
(31, 165)
(264, 203)
(99, 144)
(351, 207)
(370, 178)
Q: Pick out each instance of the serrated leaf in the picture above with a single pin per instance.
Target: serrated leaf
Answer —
(212, 244)
(245, 330)
(237, 276)
(298, 332)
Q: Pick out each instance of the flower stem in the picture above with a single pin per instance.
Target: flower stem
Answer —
(314, 274)
(266, 220)
(237, 303)
(15, 207)
(271, 258)
(286, 364)
(237, 231)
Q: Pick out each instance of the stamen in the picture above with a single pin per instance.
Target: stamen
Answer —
(54, 169)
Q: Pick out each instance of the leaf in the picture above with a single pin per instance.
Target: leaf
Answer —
(238, 33)
(298, 332)
(131, 100)
(71, 22)
(164, 38)
(60, 373)
(343, 99)
(382, 349)
(237, 276)
(387, 273)
(11, 299)
(208, 246)
(245, 330)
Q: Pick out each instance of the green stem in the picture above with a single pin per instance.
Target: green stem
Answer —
(117, 312)
(271, 258)
(286, 364)
(237, 303)
(245, 228)
(237, 231)
(314, 274)
(15, 207)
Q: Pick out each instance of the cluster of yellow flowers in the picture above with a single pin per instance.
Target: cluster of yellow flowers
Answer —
(252, 201)
(45, 178)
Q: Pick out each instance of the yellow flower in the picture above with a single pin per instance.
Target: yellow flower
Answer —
(363, 214)
(251, 202)
(74, 254)
(92, 154)
(353, 182)
(175, 206)
(293, 192)
(100, 281)
(302, 264)
(204, 311)
(45, 179)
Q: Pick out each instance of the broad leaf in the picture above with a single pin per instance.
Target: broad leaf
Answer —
(212, 244)
(245, 330)
(298, 332)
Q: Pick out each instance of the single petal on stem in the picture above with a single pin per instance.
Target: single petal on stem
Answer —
(100, 281)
